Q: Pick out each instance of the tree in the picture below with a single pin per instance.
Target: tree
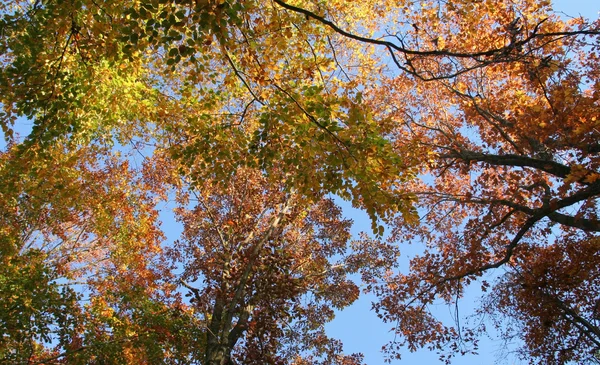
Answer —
(507, 124)
(501, 101)
(90, 73)
(266, 271)
(226, 84)
(478, 117)
(79, 242)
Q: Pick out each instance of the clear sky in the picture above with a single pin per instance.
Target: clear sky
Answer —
(361, 331)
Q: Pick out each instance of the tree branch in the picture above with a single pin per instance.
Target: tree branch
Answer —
(589, 225)
(551, 167)
(507, 254)
(399, 48)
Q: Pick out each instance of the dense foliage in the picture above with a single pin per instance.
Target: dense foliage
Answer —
(470, 128)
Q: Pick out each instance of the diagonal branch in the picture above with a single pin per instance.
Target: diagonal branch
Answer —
(537, 215)
(507, 254)
(246, 274)
(588, 225)
(551, 167)
(407, 51)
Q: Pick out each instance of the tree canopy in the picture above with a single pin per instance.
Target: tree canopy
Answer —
(469, 128)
